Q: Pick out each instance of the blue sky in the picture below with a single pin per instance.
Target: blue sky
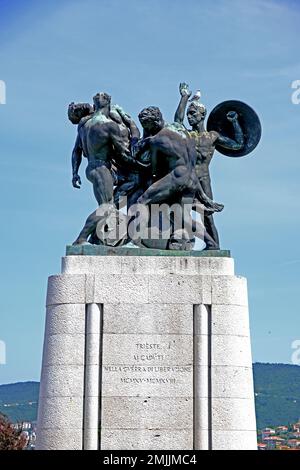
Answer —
(138, 51)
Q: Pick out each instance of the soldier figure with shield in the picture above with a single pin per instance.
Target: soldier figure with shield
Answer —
(224, 133)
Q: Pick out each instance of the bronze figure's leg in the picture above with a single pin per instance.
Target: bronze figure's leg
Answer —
(102, 181)
(209, 223)
(160, 191)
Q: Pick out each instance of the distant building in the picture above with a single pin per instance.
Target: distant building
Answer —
(262, 446)
(281, 438)
(24, 426)
(282, 429)
(29, 431)
(273, 442)
(293, 443)
(271, 445)
(267, 432)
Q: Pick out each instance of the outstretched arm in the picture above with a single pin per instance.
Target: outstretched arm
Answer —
(180, 111)
(238, 142)
(76, 161)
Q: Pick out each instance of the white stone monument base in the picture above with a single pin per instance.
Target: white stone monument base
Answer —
(147, 352)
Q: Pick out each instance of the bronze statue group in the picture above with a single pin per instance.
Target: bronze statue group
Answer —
(149, 175)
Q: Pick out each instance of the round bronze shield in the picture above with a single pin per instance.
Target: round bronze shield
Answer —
(249, 122)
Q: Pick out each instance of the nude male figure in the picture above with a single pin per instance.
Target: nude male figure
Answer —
(104, 142)
(99, 139)
(205, 144)
(173, 158)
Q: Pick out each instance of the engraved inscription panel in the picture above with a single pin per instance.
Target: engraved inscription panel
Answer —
(147, 365)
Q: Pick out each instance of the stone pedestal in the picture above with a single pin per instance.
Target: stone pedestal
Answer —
(146, 352)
